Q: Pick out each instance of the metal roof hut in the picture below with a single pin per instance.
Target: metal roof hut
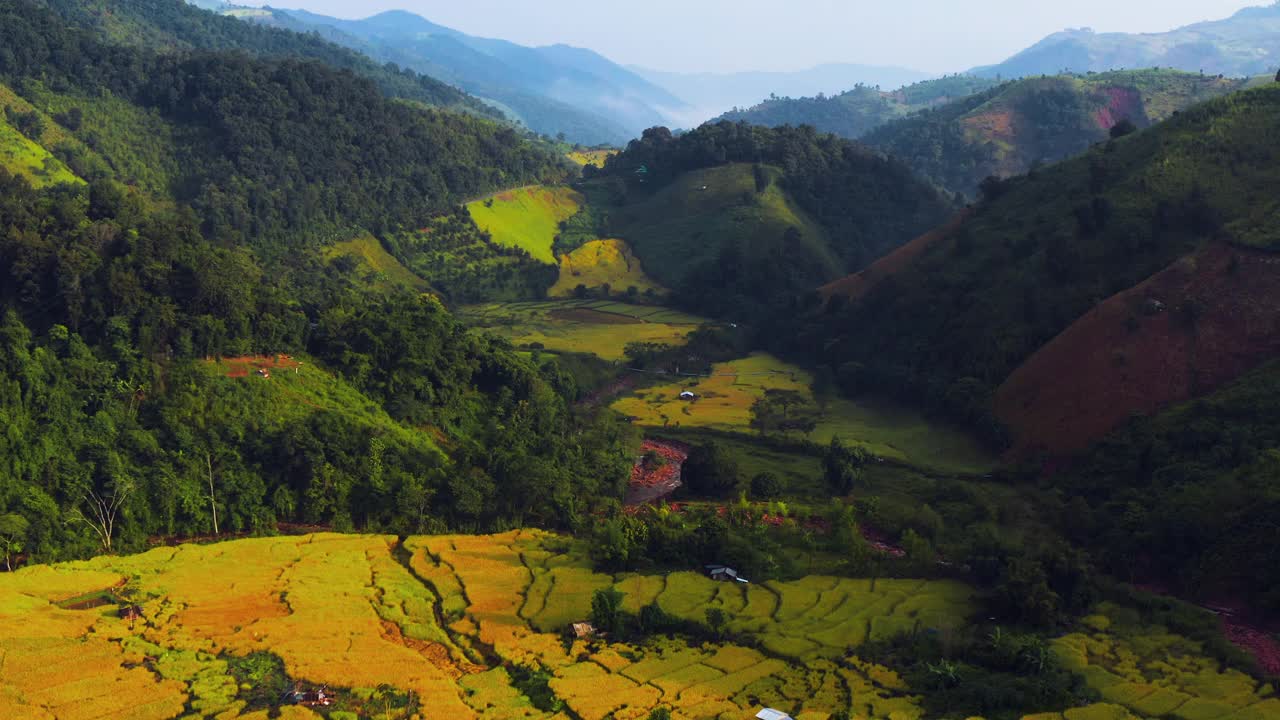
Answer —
(724, 574)
(771, 714)
(584, 631)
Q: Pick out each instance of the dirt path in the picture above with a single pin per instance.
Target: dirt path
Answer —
(1256, 636)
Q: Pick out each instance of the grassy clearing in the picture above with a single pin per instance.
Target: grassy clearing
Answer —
(379, 268)
(599, 263)
(298, 389)
(591, 157)
(597, 327)
(527, 218)
(116, 138)
(725, 400)
(21, 156)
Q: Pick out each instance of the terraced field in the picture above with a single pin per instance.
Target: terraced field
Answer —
(726, 396)
(527, 218)
(599, 327)
(1154, 674)
(453, 619)
(591, 157)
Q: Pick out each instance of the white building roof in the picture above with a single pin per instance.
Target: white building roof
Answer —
(771, 714)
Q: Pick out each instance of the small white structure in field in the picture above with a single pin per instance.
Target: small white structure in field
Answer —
(771, 714)
(688, 395)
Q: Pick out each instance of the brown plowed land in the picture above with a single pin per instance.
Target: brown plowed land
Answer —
(857, 285)
(1123, 103)
(1183, 333)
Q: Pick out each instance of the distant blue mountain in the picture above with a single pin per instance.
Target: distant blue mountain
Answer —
(554, 90)
(1244, 45)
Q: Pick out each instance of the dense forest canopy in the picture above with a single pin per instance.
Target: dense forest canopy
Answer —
(176, 25)
(864, 203)
(118, 304)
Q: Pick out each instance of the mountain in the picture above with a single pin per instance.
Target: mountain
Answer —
(188, 343)
(1014, 127)
(553, 90)
(735, 218)
(174, 25)
(713, 94)
(1247, 43)
(1138, 275)
(1114, 314)
(854, 113)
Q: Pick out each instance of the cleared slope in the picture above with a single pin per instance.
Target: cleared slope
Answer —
(1052, 246)
(527, 218)
(1185, 332)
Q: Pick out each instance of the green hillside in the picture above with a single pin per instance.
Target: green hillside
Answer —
(1044, 249)
(676, 230)
(213, 239)
(1011, 128)
(175, 25)
(734, 217)
(856, 112)
(1203, 476)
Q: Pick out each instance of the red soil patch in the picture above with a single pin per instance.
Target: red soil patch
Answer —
(997, 125)
(1123, 103)
(241, 367)
(1185, 332)
(654, 481)
(857, 285)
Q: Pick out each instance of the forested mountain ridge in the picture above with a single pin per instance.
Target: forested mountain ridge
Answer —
(553, 90)
(1243, 45)
(1008, 129)
(1044, 249)
(856, 112)
(181, 249)
(744, 217)
(163, 25)
(1136, 280)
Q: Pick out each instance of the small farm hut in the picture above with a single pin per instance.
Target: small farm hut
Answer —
(688, 395)
(722, 573)
(771, 714)
(584, 631)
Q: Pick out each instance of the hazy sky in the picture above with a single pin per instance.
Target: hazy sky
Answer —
(728, 35)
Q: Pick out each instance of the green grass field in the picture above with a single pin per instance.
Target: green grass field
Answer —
(379, 267)
(682, 224)
(599, 263)
(527, 218)
(598, 327)
(591, 157)
(725, 400)
(21, 156)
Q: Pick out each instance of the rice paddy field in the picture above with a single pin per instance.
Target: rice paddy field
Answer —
(599, 263)
(452, 620)
(726, 396)
(527, 218)
(598, 327)
(1150, 673)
